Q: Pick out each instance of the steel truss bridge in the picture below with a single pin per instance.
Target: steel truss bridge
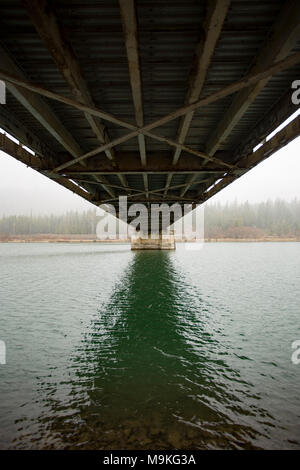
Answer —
(162, 101)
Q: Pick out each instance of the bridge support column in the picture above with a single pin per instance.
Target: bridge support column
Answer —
(159, 236)
(163, 242)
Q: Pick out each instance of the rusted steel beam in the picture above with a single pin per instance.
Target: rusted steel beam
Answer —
(75, 189)
(17, 151)
(130, 31)
(40, 109)
(168, 182)
(46, 23)
(171, 188)
(158, 162)
(95, 111)
(216, 14)
(48, 28)
(281, 139)
(143, 171)
(37, 107)
(146, 184)
(20, 131)
(124, 181)
(230, 89)
(105, 184)
(215, 17)
(275, 116)
(138, 191)
(284, 36)
(36, 162)
(156, 198)
(102, 181)
(190, 182)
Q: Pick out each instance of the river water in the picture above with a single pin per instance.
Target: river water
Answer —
(112, 349)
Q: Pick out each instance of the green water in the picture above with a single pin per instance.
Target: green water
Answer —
(111, 349)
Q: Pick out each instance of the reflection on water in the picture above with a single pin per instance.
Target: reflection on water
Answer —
(143, 374)
(153, 370)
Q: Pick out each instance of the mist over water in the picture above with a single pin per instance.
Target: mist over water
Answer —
(111, 349)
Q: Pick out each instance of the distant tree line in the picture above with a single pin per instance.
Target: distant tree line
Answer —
(271, 218)
(71, 223)
(233, 220)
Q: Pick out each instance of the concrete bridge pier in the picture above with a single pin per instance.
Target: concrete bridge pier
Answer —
(158, 237)
(163, 242)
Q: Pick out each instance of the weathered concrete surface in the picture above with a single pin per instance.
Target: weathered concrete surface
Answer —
(164, 242)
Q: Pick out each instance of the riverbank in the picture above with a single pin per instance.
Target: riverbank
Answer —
(49, 238)
(52, 238)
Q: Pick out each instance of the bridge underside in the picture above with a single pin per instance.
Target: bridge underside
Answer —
(162, 101)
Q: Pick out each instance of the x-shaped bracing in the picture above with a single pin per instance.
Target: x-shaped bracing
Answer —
(146, 130)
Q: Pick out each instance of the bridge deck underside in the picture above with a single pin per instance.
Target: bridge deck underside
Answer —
(138, 62)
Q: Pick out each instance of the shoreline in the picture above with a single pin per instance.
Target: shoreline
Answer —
(46, 238)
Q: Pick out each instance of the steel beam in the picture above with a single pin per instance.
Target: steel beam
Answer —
(35, 162)
(130, 30)
(273, 118)
(216, 14)
(239, 85)
(284, 36)
(280, 140)
(46, 23)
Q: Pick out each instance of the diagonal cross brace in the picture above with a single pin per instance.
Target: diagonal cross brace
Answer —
(228, 90)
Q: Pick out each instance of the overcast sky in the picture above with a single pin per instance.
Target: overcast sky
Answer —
(23, 190)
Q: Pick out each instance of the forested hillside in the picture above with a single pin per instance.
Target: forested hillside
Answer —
(272, 218)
